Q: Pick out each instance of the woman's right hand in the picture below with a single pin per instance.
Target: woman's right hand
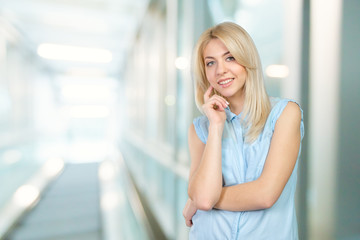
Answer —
(214, 107)
(188, 212)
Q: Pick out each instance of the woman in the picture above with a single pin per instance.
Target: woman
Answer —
(244, 149)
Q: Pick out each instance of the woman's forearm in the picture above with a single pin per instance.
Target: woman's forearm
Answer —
(205, 185)
(245, 197)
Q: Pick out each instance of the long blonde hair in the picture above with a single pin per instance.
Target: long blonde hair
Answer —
(239, 43)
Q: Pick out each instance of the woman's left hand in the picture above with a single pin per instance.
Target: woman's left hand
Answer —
(188, 212)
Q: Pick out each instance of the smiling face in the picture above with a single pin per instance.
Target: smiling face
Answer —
(222, 71)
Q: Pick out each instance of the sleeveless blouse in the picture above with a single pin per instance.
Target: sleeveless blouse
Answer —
(243, 162)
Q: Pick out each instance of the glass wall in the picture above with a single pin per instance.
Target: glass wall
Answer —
(18, 145)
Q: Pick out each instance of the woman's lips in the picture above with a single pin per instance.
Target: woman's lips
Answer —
(225, 82)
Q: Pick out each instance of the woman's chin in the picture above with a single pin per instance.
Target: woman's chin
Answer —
(230, 93)
(226, 94)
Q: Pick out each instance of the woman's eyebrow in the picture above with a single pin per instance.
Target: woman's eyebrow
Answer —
(214, 57)
(226, 53)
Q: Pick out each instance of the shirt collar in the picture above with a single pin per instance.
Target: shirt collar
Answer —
(230, 115)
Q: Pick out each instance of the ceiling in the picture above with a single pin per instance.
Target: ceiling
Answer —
(107, 24)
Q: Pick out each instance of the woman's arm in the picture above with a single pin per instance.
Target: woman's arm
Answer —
(188, 212)
(284, 148)
(205, 181)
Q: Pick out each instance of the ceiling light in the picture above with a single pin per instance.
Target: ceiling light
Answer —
(86, 92)
(277, 71)
(74, 53)
(86, 72)
(181, 63)
(170, 100)
(87, 111)
(83, 23)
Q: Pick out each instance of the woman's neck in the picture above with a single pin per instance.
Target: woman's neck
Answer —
(236, 104)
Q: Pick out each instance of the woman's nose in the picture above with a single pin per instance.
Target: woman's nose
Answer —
(221, 68)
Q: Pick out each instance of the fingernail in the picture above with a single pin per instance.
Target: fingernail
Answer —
(227, 102)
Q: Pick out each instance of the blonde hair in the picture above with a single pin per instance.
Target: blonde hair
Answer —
(239, 43)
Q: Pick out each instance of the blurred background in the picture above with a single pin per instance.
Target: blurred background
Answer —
(96, 97)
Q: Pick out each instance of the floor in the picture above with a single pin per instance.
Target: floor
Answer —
(69, 208)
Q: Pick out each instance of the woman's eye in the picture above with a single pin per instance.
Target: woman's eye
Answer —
(230, 58)
(208, 64)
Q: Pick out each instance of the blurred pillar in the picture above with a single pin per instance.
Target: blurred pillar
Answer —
(171, 51)
(292, 54)
(348, 166)
(325, 26)
(302, 188)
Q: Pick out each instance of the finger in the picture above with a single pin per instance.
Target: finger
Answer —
(222, 100)
(218, 106)
(214, 104)
(219, 103)
(188, 223)
(207, 94)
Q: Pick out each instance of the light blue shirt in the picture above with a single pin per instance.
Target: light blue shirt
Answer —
(243, 162)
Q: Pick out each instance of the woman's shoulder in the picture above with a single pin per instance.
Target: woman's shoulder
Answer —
(201, 121)
(279, 105)
(201, 124)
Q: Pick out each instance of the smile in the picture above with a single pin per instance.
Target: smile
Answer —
(223, 82)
